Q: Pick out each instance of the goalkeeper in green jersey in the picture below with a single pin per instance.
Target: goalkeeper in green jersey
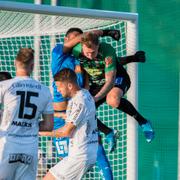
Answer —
(109, 80)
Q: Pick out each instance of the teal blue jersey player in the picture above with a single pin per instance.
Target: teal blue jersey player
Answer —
(59, 62)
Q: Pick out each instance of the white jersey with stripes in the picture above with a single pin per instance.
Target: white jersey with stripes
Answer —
(81, 112)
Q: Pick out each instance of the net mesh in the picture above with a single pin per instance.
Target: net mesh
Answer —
(42, 32)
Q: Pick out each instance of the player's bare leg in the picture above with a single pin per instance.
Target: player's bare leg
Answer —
(114, 99)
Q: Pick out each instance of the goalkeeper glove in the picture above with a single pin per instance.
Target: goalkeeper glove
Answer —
(115, 34)
(140, 56)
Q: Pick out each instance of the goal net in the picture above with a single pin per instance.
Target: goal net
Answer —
(41, 27)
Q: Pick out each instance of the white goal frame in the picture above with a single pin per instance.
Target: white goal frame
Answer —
(132, 46)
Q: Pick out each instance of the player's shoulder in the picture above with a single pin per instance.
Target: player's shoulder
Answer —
(105, 45)
(44, 90)
(78, 96)
(57, 48)
(83, 95)
(39, 85)
(7, 83)
(43, 86)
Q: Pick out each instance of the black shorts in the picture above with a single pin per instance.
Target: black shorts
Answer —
(122, 83)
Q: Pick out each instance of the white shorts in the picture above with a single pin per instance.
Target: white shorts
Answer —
(17, 161)
(71, 169)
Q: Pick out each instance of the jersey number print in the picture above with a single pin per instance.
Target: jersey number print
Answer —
(25, 102)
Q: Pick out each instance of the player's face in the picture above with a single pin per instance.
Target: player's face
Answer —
(62, 87)
(90, 53)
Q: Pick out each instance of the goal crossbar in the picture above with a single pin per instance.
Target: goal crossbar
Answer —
(66, 11)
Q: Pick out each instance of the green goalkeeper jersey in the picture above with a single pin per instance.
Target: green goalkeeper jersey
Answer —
(96, 68)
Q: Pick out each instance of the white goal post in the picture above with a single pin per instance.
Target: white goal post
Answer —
(41, 27)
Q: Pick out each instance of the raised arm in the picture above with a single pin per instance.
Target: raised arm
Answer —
(139, 56)
(73, 40)
(64, 131)
(74, 116)
(69, 42)
(115, 34)
(109, 83)
(110, 71)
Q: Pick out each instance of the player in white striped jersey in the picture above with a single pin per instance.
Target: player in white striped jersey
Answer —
(23, 100)
(81, 127)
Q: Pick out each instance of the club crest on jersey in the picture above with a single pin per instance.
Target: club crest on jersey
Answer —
(108, 61)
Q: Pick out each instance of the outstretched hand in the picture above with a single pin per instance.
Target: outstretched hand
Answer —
(115, 34)
(140, 56)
